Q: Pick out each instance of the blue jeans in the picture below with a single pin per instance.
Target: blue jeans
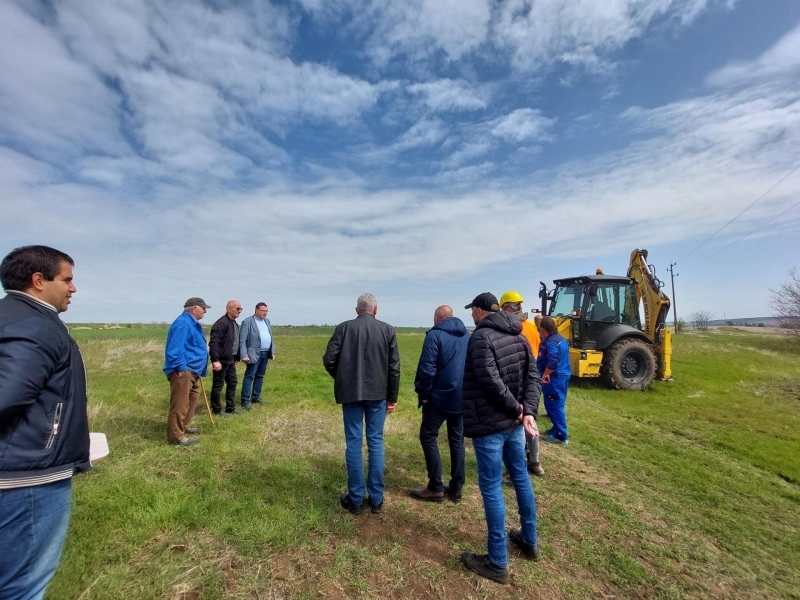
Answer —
(555, 399)
(491, 451)
(355, 414)
(254, 377)
(433, 418)
(33, 525)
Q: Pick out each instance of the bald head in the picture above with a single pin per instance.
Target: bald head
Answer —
(233, 308)
(536, 320)
(442, 313)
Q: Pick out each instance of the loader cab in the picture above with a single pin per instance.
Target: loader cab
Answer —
(595, 304)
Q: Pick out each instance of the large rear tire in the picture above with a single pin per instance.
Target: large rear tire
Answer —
(629, 364)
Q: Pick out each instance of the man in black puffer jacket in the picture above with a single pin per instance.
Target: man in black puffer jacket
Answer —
(44, 432)
(501, 396)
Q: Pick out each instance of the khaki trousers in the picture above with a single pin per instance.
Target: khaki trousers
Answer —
(183, 394)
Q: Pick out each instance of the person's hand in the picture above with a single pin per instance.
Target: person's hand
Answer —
(424, 401)
(529, 423)
(216, 365)
(390, 408)
(246, 359)
(180, 373)
(546, 378)
(272, 357)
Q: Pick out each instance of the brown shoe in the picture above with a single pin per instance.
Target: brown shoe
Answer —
(536, 469)
(427, 495)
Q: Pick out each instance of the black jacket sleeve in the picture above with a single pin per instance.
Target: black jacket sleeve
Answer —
(532, 390)
(394, 370)
(216, 340)
(331, 358)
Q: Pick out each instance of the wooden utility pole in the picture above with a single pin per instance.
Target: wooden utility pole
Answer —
(672, 276)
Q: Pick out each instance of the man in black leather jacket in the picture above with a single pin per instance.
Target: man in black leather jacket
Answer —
(44, 432)
(363, 359)
(223, 348)
(501, 396)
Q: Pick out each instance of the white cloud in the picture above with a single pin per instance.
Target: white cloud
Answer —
(46, 98)
(580, 31)
(537, 34)
(448, 95)
(782, 60)
(524, 124)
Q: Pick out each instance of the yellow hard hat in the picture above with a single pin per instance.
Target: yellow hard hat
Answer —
(510, 297)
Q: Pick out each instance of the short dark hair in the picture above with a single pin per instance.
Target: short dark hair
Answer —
(548, 325)
(21, 263)
(260, 304)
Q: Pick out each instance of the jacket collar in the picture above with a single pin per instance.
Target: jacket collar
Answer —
(33, 298)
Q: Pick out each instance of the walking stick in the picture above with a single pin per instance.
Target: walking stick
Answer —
(208, 406)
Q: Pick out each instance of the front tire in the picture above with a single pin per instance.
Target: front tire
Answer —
(629, 364)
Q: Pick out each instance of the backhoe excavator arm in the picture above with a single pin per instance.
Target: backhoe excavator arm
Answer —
(656, 306)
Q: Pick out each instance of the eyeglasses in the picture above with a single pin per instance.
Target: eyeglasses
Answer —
(238, 309)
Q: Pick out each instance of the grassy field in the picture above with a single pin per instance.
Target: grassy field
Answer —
(690, 490)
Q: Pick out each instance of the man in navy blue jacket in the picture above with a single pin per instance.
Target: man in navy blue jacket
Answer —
(44, 432)
(186, 361)
(440, 374)
(553, 363)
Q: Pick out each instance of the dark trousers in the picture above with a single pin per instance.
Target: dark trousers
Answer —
(225, 376)
(432, 419)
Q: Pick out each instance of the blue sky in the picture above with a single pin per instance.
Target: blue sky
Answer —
(304, 152)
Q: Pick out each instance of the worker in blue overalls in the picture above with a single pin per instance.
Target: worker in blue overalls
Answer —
(553, 364)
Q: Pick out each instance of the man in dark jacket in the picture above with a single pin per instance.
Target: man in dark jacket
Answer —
(440, 373)
(223, 348)
(501, 396)
(363, 359)
(44, 432)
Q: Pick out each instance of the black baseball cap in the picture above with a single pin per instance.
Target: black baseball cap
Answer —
(485, 301)
(196, 302)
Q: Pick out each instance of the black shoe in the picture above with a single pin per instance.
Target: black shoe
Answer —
(480, 564)
(247, 406)
(188, 442)
(355, 509)
(455, 497)
(532, 552)
(427, 495)
(235, 411)
(223, 415)
(192, 430)
(376, 509)
(256, 401)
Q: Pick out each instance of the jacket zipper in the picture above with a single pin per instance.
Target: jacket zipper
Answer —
(56, 423)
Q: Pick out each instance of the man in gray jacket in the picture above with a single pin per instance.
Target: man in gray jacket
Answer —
(363, 359)
(256, 349)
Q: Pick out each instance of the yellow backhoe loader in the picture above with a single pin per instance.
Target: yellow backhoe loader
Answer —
(599, 316)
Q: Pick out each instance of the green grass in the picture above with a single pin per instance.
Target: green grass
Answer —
(689, 490)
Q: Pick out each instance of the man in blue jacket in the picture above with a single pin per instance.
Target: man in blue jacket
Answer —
(440, 373)
(44, 432)
(256, 348)
(553, 363)
(186, 360)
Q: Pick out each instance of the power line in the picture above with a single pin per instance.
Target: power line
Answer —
(744, 236)
(789, 174)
